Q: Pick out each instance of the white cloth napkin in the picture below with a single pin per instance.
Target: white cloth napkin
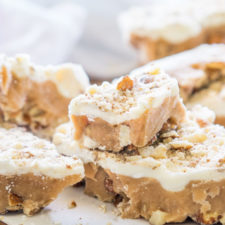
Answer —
(48, 34)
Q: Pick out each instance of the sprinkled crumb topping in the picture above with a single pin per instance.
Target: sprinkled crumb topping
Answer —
(192, 144)
(21, 152)
(120, 96)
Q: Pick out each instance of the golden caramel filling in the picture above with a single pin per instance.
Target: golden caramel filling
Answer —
(80, 122)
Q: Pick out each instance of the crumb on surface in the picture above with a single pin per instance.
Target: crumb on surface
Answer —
(72, 204)
(116, 212)
(103, 208)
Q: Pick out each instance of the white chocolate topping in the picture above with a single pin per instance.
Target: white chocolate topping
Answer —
(182, 66)
(117, 102)
(193, 151)
(212, 97)
(70, 79)
(174, 22)
(22, 153)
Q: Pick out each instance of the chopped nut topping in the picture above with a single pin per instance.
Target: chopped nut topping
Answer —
(68, 166)
(181, 144)
(92, 90)
(171, 133)
(125, 84)
(196, 138)
(222, 161)
(159, 152)
(155, 71)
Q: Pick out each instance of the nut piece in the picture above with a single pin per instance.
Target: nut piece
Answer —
(215, 65)
(159, 152)
(14, 200)
(5, 80)
(158, 218)
(196, 138)
(125, 83)
(176, 144)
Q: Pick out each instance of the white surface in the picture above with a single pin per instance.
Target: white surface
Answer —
(87, 212)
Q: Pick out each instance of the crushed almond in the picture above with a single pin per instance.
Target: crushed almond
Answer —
(125, 84)
(171, 133)
(196, 138)
(159, 152)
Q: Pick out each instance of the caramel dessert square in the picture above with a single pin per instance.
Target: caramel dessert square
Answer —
(180, 175)
(127, 112)
(37, 97)
(32, 172)
(161, 29)
(200, 73)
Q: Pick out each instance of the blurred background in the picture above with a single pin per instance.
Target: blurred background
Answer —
(80, 31)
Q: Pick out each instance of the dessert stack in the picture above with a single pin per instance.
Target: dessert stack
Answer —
(37, 97)
(157, 30)
(34, 99)
(200, 73)
(143, 151)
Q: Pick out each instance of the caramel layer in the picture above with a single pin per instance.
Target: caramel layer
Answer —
(36, 105)
(141, 130)
(30, 193)
(145, 197)
(154, 49)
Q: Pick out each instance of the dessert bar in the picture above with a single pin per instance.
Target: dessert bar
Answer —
(158, 30)
(200, 73)
(127, 112)
(32, 172)
(37, 97)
